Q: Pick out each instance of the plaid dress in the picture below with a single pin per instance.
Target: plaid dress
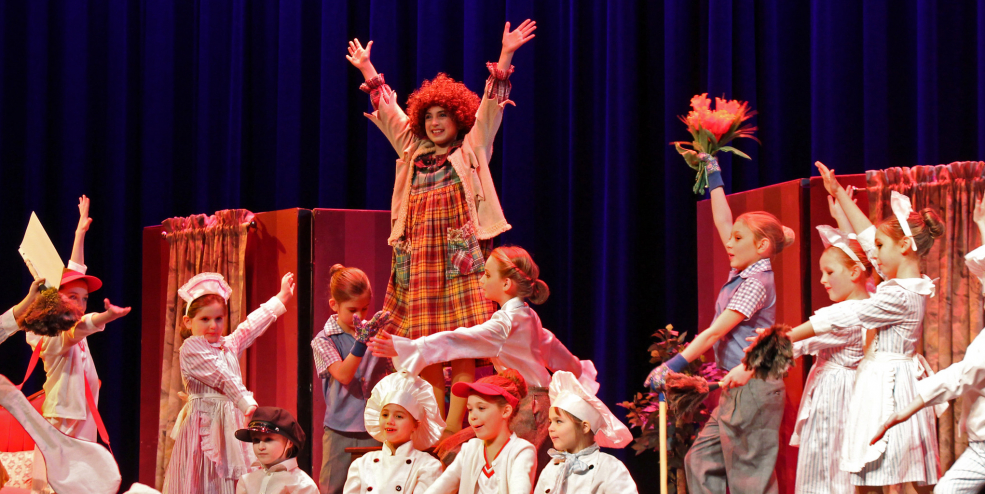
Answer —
(438, 263)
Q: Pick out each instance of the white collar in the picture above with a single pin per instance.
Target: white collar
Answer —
(404, 449)
(921, 286)
(286, 465)
(513, 303)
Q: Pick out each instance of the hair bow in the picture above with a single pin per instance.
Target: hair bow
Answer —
(902, 209)
(833, 236)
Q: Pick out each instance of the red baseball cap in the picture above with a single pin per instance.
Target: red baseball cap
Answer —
(70, 275)
(462, 390)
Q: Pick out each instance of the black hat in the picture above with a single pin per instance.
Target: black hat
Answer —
(273, 420)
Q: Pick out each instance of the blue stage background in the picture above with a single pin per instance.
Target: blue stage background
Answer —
(158, 109)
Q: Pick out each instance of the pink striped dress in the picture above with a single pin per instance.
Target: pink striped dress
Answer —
(887, 376)
(206, 458)
(820, 427)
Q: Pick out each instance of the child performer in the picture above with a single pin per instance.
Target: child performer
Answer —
(738, 445)
(819, 430)
(206, 458)
(444, 211)
(580, 424)
(348, 375)
(403, 415)
(888, 374)
(496, 461)
(277, 438)
(965, 378)
(67, 360)
(513, 338)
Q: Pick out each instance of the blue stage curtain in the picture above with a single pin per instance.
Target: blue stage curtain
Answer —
(158, 109)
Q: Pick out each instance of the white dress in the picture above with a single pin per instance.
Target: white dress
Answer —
(820, 427)
(605, 475)
(406, 470)
(206, 457)
(887, 376)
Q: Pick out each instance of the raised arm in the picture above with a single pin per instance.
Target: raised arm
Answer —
(78, 247)
(856, 217)
(512, 40)
(839, 215)
(359, 58)
(721, 213)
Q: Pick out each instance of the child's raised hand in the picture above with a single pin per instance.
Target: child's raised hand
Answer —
(828, 175)
(84, 219)
(516, 38)
(287, 285)
(358, 55)
(249, 413)
(32, 293)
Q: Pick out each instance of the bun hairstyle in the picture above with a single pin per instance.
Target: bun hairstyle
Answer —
(511, 381)
(517, 265)
(765, 225)
(347, 283)
(199, 304)
(925, 225)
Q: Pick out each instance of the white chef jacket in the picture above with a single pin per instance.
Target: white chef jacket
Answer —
(282, 478)
(605, 475)
(406, 470)
(514, 466)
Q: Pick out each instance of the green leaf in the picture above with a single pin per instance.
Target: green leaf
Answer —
(730, 149)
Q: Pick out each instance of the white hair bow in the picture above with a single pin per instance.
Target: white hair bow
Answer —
(833, 236)
(902, 209)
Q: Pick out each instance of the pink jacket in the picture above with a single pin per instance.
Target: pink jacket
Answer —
(471, 162)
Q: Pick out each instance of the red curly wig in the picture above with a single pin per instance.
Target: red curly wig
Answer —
(460, 103)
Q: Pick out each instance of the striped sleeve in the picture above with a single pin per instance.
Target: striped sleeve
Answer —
(884, 308)
(748, 298)
(325, 354)
(835, 339)
(255, 324)
(205, 363)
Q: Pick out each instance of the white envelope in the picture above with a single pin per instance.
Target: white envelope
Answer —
(40, 255)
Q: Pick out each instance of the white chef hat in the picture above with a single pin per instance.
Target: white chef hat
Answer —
(569, 395)
(204, 284)
(417, 397)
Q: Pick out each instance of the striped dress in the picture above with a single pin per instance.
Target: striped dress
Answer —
(820, 427)
(206, 458)
(887, 376)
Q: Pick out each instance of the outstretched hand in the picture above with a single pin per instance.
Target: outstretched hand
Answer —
(287, 285)
(111, 313)
(359, 55)
(828, 175)
(516, 38)
(84, 219)
(382, 346)
(893, 420)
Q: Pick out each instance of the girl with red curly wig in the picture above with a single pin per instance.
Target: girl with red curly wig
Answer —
(444, 210)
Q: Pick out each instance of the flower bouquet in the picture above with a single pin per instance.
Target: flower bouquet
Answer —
(712, 130)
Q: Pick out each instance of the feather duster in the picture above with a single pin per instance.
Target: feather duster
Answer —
(49, 314)
(686, 393)
(771, 355)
